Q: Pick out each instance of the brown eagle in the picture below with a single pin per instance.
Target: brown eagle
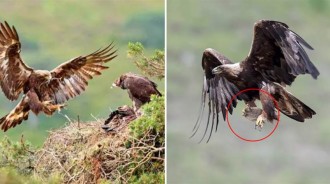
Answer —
(139, 88)
(276, 58)
(44, 91)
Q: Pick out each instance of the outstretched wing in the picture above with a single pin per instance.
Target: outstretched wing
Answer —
(16, 116)
(218, 90)
(71, 78)
(278, 53)
(13, 72)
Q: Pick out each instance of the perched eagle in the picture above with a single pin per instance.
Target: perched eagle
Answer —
(139, 88)
(44, 91)
(276, 58)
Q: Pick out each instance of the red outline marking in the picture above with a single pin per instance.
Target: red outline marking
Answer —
(276, 105)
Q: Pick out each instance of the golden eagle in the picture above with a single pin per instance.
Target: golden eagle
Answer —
(139, 88)
(276, 58)
(44, 91)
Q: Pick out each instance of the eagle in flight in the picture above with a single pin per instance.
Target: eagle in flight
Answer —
(139, 88)
(44, 91)
(276, 58)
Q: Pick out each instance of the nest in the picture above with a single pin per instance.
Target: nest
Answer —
(84, 153)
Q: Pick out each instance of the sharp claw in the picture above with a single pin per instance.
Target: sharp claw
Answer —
(51, 107)
(260, 122)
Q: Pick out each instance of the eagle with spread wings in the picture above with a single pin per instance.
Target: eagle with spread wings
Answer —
(44, 91)
(276, 58)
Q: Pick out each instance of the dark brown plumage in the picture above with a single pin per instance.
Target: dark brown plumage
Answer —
(119, 118)
(276, 58)
(44, 91)
(139, 88)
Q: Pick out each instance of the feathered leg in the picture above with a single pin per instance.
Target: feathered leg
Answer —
(268, 108)
(46, 106)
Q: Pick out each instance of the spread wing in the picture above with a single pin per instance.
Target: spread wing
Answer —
(218, 90)
(278, 53)
(71, 78)
(13, 72)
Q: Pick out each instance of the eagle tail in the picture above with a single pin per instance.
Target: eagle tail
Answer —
(16, 116)
(158, 93)
(155, 88)
(291, 106)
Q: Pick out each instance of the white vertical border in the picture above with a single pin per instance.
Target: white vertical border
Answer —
(165, 92)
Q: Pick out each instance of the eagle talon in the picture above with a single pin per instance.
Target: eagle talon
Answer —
(47, 103)
(260, 122)
(51, 108)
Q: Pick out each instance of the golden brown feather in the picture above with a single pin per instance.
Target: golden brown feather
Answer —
(44, 91)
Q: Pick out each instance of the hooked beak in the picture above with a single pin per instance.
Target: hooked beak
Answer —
(114, 85)
(216, 70)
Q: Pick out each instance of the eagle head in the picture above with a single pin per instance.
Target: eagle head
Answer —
(231, 70)
(218, 70)
(120, 82)
(214, 62)
(44, 73)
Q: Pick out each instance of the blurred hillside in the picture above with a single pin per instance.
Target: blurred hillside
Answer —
(52, 32)
(296, 152)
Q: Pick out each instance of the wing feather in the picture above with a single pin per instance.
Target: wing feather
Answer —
(278, 53)
(13, 72)
(217, 90)
(71, 78)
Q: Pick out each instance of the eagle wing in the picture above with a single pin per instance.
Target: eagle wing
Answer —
(71, 78)
(13, 72)
(278, 53)
(218, 90)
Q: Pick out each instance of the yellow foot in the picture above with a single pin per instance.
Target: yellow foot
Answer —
(50, 108)
(56, 107)
(260, 122)
(47, 103)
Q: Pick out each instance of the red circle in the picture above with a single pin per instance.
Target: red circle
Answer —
(276, 105)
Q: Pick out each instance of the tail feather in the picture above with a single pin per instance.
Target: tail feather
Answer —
(155, 88)
(16, 116)
(291, 106)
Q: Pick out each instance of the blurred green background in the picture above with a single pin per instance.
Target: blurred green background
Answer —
(52, 32)
(296, 152)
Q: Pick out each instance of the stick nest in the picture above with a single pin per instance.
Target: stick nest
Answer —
(84, 153)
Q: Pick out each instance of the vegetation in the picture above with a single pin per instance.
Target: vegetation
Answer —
(153, 66)
(17, 163)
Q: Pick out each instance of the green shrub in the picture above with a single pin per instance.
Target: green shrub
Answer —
(153, 66)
